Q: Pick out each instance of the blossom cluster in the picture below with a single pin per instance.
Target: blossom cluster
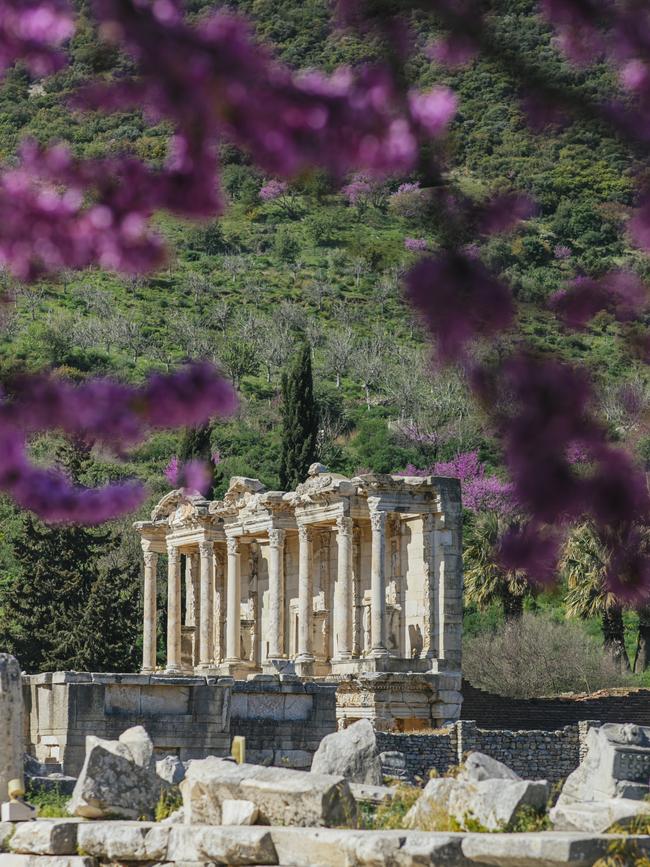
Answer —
(98, 411)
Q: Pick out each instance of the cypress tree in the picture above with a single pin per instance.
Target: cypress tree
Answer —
(299, 421)
(64, 609)
(195, 446)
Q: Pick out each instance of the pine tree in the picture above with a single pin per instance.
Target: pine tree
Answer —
(61, 611)
(299, 421)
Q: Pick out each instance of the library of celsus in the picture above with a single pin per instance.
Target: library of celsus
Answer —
(337, 577)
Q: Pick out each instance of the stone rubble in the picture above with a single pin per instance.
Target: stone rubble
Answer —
(148, 843)
(118, 778)
(610, 785)
(477, 796)
(171, 770)
(352, 753)
(282, 796)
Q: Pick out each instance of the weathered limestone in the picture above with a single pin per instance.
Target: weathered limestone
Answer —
(597, 816)
(491, 803)
(221, 845)
(171, 770)
(352, 753)
(46, 837)
(173, 609)
(11, 723)
(118, 778)
(617, 765)
(124, 841)
(238, 812)
(282, 797)
(149, 608)
(477, 767)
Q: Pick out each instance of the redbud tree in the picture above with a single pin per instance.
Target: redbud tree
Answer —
(212, 82)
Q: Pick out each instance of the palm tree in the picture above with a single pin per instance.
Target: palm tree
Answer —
(486, 581)
(584, 564)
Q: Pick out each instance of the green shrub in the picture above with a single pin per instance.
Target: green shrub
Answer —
(50, 803)
(169, 801)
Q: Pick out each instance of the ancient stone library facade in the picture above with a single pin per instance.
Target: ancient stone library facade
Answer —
(338, 577)
(287, 614)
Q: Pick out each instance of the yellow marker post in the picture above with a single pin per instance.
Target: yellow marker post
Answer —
(238, 749)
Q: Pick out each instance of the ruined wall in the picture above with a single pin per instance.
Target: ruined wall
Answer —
(282, 718)
(491, 711)
(283, 721)
(534, 754)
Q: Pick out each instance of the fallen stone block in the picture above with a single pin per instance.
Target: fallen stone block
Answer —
(282, 796)
(544, 849)
(124, 841)
(393, 764)
(478, 766)
(351, 753)
(16, 860)
(491, 803)
(238, 812)
(46, 837)
(221, 845)
(325, 847)
(118, 778)
(597, 816)
(6, 830)
(616, 765)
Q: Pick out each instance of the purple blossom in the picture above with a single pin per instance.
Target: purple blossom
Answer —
(408, 187)
(453, 50)
(216, 457)
(479, 491)
(272, 190)
(172, 471)
(33, 31)
(416, 245)
(620, 293)
(532, 548)
(357, 190)
(460, 300)
(561, 252)
(504, 212)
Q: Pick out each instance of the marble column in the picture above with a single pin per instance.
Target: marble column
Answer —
(276, 552)
(150, 614)
(378, 585)
(206, 608)
(343, 598)
(173, 609)
(305, 598)
(233, 602)
(192, 591)
(430, 625)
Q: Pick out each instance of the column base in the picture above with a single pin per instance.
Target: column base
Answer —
(146, 670)
(278, 665)
(236, 668)
(304, 665)
(173, 672)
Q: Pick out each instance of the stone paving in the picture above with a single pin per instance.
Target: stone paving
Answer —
(85, 843)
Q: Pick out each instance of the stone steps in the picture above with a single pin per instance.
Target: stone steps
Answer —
(81, 843)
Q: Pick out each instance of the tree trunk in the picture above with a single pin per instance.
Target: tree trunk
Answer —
(614, 636)
(513, 606)
(642, 655)
(338, 380)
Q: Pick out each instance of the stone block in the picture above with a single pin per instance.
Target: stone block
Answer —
(363, 793)
(122, 700)
(46, 837)
(16, 860)
(231, 846)
(282, 796)
(535, 849)
(238, 812)
(6, 830)
(353, 753)
(597, 816)
(298, 707)
(124, 841)
(165, 700)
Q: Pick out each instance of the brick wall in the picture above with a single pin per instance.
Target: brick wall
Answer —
(491, 711)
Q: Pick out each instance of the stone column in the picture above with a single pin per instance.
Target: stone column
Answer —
(233, 602)
(305, 657)
(378, 585)
(219, 605)
(150, 614)
(192, 591)
(173, 609)
(11, 723)
(357, 609)
(276, 551)
(430, 624)
(206, 596)
(343, 599)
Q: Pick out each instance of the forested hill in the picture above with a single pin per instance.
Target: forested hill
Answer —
(243, 289)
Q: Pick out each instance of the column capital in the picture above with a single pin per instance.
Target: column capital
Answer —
(172, 551)
(232, 543)
(206, 548)
(344, 525)
(276, 537)
(378, 521)
(150, 558)
(304, 532)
